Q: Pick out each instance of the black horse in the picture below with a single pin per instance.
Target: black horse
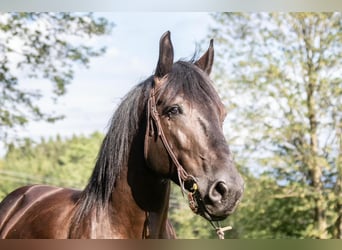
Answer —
(168, 127)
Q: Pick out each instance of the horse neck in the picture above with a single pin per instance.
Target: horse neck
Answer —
(140, 197)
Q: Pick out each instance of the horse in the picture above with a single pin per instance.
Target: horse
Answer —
(168, 128)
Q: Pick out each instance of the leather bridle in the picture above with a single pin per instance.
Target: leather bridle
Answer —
(153, 123)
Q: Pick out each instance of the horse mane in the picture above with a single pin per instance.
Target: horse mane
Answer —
(185, 78)
(114, 150)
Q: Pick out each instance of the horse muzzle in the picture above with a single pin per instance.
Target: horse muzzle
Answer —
(218, 201)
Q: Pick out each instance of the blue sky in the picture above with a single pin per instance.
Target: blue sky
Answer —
(132, 53)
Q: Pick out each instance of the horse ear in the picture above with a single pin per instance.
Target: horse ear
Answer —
(165, 60)
(206, 61)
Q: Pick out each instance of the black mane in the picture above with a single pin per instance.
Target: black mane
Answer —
(114, 151)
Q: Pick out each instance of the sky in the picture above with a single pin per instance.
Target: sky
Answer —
(131, 57)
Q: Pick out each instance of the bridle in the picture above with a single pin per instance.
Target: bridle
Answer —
(153, 123)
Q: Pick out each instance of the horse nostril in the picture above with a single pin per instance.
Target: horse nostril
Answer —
(221, 188)
(218, 191)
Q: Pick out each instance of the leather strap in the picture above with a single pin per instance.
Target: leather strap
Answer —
(153, 123)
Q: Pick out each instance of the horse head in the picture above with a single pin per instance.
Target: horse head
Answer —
(184, 138)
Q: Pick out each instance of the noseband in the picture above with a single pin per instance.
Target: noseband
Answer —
(153, 123)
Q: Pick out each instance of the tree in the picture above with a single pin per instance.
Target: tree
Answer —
(41, 45)
(284, 93)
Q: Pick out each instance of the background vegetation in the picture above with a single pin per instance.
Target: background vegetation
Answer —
(42, 46)
(281, 80)
(286, 67)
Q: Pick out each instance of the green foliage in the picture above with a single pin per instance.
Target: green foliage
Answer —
(44, 46)
(55, 162)
(266, 213)
(280, 77)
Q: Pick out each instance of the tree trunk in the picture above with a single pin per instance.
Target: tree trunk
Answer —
(314, 167)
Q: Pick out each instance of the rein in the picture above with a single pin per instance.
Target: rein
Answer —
(153, 121)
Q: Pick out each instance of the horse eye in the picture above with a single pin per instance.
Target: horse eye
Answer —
(174, 110)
